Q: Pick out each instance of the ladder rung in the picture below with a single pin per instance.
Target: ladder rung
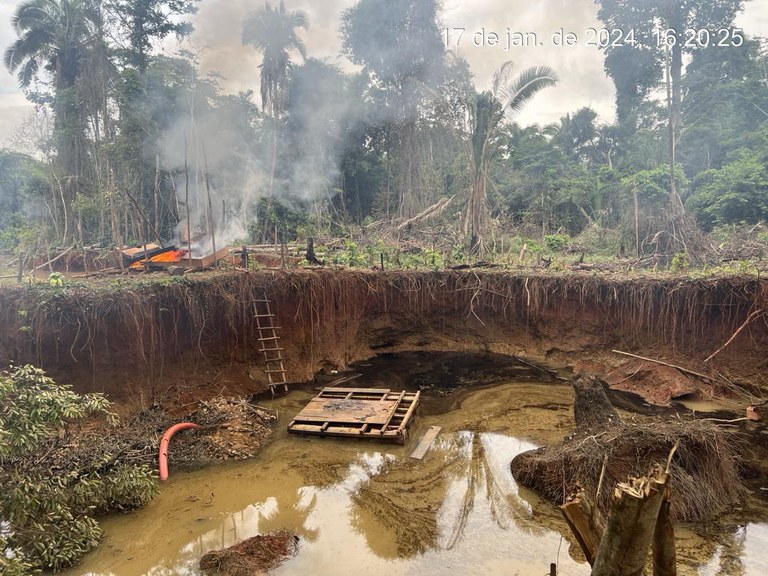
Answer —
(265, 328)
(262, 338)
(262, 300)
(271, 350)
(268, 371)
(263, 315)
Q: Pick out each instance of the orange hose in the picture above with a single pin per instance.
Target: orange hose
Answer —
(166, 440)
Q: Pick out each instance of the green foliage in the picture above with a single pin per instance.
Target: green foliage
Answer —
(350, 256)
(50, 510)
(736, 193)
(680, 262)
(557, 242)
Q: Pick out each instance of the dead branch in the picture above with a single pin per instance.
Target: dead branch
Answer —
(52, 260)
(434, 210)
(685, 370)
(755, 314)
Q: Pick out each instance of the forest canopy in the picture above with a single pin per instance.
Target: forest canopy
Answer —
(133, 144)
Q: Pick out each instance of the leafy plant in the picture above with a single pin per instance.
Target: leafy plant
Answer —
(557, 242)
(48, 508)
(680, 262)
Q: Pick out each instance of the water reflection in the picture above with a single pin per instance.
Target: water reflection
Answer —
(743, 552)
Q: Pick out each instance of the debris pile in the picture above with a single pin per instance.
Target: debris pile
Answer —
(252, 557)
(235, 429)
(705, 467)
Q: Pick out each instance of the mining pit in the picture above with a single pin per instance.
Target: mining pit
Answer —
(491, 353)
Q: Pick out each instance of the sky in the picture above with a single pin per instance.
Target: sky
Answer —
(468, 27)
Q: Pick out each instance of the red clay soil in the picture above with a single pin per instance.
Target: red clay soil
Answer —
(144, 342)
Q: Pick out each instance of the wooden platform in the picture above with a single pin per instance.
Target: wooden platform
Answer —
(369, 413)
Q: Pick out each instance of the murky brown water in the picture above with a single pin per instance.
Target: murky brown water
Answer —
(363, 508)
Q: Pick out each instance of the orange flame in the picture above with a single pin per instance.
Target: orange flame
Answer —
(170, 257)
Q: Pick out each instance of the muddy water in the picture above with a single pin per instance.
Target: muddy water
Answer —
(363, 508)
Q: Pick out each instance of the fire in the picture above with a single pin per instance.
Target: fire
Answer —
(170, 257)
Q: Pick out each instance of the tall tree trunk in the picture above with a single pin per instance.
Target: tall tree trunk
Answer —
(674, 99)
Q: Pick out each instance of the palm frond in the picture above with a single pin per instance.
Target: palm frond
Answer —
(28, 72)
(516, 94)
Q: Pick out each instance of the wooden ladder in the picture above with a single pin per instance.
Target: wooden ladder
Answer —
(270, 344)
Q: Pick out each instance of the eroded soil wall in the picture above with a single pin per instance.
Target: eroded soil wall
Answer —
(172, 339)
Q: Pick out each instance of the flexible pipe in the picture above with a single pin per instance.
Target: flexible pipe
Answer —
(166, 440)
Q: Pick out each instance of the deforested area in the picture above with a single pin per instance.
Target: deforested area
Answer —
(384, 286)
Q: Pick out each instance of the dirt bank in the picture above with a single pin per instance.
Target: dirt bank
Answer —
(163, 340)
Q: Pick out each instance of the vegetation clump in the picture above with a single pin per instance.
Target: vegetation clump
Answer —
(54, 479)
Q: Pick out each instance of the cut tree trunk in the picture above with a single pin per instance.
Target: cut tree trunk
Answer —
(631, 527)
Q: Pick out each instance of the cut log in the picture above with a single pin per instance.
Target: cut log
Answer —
(631, 526)
(586, 523)
(664, 553)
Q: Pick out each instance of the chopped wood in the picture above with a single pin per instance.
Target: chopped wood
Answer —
(586, 523)
(631, 526)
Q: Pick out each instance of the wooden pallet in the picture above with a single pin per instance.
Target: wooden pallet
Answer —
(269, 342)
(369, 413)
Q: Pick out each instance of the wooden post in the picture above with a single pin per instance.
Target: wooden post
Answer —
(186, 202)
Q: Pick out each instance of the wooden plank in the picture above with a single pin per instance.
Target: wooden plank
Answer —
(426, 442)
(378, 391)
(411, 409)
(377, 414)
(347, 411)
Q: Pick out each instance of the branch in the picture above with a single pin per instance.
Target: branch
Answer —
(685, 370)
(755, 314)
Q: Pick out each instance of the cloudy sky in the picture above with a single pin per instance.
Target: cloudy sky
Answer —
(583, 81)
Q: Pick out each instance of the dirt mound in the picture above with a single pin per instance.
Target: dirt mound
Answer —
(705, 478)
(252, 557)
(656, 384)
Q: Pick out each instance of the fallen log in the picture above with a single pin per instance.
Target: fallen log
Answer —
(52, 260)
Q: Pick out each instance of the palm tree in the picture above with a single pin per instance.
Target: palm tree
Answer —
(507, 97)
(53, 38)
(272, 31)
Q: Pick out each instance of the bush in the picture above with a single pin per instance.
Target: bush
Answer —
(50, 491)
(557, 242)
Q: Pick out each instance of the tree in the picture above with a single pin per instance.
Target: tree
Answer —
(143, 21)
(50, 491)
(487, 110)
(399, 44)
(53, 38)
(273, 32)
(661, 48)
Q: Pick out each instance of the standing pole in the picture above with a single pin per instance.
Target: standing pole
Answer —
(211, 222)
(186, 202)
